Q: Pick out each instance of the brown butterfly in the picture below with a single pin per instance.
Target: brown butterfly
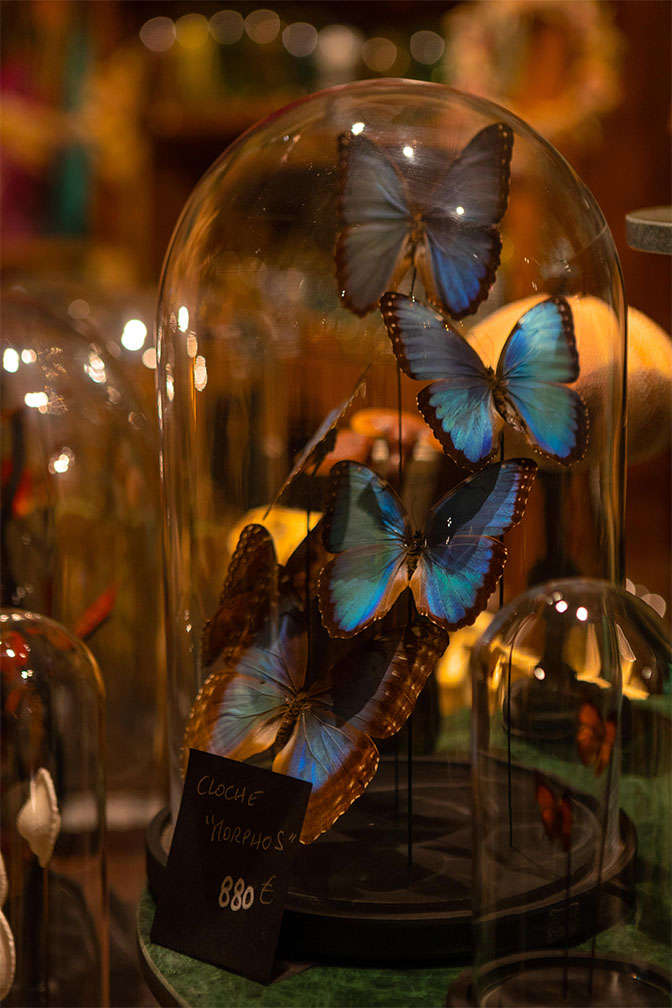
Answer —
(556, 813)
(595, 737)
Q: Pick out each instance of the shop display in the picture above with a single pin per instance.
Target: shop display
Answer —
(325, 666)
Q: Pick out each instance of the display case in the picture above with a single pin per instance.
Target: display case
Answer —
(327, 506)
(80, 530)
(53, 816)
(570, 732)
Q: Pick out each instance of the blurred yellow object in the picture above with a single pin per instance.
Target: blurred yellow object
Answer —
(595, 326)
(452, 671)
(286, 525)
(649, 387)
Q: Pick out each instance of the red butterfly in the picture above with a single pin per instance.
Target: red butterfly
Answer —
(595, 737)
(556, 813)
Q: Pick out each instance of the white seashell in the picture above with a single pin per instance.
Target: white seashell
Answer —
(7, 957)
(39, 820)
(3, 881)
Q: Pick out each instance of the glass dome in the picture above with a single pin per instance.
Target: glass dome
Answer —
(270, 343)
(568, 683)
(80, 524)
(53, 813)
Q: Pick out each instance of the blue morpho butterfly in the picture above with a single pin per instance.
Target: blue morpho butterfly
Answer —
(451, 567)
(468, 402)
(323, 440)
(319, 716)
(420, 212)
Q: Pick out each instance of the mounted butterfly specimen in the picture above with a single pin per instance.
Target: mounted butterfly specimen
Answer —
(595, 737)
(318, 717)
(322, 442)
(451, 567)
(555, 812)
(398, 212)
(257, 588)
(466, 403)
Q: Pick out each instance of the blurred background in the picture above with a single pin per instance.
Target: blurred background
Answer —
(111, 111)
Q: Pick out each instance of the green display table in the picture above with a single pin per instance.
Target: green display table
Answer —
(176, 979)
(646, 797)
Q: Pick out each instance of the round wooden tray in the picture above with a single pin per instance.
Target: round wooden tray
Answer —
(353, 900)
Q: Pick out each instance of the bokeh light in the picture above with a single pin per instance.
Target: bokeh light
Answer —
(427, 47)
(192, 31)
(379, 54)
(300, 38)
(158, 34)
(227, 26)
(134, 335)
(262, 26)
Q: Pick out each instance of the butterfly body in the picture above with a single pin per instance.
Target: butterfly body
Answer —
(467, 402)
(396, 214)
(317, 717)
(556, 813)
(450, 566)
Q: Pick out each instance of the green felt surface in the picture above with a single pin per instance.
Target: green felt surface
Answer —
(202, 985)
(647, 799)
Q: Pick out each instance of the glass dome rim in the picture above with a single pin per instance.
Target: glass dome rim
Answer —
(383, 83)
(78, 644)
(507, 613)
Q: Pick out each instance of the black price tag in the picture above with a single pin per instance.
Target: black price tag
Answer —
(228, 866)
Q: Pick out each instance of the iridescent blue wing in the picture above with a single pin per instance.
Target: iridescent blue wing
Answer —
(360, 586)
(452, 583)
(462, 562)
(488, 503)
(459, 406)
(240, 708)
(538, 356)
(338, 760)
(459, 256)
(372, 247)
(365, 524)
(322, 441)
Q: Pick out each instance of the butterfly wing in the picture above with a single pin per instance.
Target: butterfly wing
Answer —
(458, 406)
(375, 685)
(488, 503)
(556, 814)
(241, 705)
(364, 523)
(462, 562)
(308, 559)
(322, 441)
(338, 760)
(460, 253)
(249, 590)
(595, 737)
(452, 583)
(372, 247)
(539, 355)
(548, 810)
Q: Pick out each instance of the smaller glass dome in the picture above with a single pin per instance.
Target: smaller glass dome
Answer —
(567, 681)
(79, 534)
(53, 813)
